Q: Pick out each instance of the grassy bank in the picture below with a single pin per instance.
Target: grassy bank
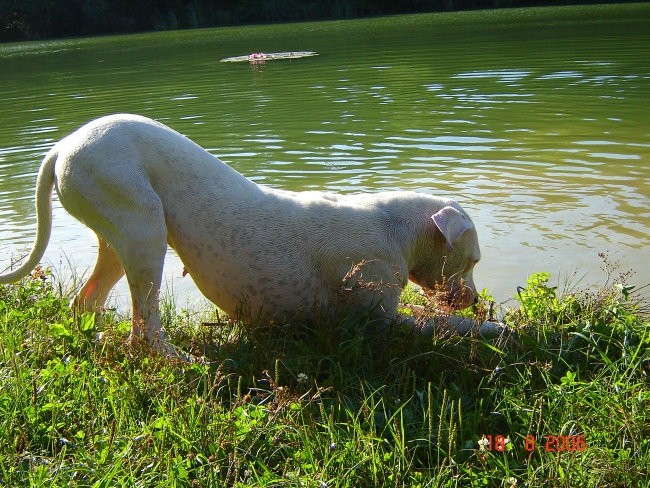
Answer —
(328, 405)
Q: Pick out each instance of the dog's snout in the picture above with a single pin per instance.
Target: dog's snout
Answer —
(462, 297)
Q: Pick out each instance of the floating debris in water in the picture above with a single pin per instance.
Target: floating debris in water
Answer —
(262, 57)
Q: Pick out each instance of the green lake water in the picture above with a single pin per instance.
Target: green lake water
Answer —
(536, 120)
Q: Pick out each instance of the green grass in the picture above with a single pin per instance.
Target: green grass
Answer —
(332, 405)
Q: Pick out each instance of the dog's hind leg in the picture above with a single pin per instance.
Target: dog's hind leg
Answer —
(142, 252)
(108, 270)
(127, 216)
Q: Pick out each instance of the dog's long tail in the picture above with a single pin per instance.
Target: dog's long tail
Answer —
(44, 187)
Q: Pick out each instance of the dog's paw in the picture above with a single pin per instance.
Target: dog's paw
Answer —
(489, 329)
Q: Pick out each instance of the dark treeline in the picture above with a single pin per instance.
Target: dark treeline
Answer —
(40, 19)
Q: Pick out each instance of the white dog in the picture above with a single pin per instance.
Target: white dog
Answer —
(256, 252)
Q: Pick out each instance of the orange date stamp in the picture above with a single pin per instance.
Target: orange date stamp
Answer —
(550, 443)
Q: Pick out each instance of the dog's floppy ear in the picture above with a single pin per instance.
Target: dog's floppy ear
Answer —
(451, 223)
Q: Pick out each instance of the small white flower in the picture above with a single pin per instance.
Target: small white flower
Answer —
(302, 378)
(482, 443)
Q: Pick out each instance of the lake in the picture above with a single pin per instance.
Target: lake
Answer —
(536, 120)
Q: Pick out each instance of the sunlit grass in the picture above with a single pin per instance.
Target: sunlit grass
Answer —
(333, 404)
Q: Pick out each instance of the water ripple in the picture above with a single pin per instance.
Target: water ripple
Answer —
(546, 145)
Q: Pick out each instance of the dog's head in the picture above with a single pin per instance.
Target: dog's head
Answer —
(445, 258)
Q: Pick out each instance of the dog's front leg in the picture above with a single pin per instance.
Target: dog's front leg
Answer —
(465, 326)
(428, 325)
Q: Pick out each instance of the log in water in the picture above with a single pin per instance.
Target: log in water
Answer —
(260, 57)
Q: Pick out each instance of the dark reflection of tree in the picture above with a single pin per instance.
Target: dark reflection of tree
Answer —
(38, 19)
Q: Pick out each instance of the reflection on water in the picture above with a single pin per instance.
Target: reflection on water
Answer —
(535, 120)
